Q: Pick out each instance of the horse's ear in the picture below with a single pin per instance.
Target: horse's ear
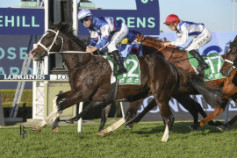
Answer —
(140, 38)
(137, 36)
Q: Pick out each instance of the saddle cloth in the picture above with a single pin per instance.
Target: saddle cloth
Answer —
(214, 61)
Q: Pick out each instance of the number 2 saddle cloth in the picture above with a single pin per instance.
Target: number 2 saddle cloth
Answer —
(133, 75)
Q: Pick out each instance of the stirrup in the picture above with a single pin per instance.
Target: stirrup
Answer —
(120, 71)
(204, 66)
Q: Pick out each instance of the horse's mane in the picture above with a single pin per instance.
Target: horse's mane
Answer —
(67, 29)
(152, 42)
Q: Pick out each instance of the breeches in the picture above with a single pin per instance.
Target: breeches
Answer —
(200, 40)
(117, 38)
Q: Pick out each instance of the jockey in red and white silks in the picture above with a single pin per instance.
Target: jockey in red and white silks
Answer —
(184, 29)
(198, 30)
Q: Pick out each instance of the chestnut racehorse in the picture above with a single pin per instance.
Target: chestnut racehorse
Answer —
(229, 67)
(180, 59)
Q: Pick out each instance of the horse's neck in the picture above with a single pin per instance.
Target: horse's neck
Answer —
(174, 54)
(73, 60)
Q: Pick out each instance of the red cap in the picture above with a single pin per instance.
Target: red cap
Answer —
(171, 19)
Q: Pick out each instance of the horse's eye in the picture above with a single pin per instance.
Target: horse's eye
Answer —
(49, 36)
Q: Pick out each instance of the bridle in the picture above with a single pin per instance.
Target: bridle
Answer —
(48, 49)
(233, 63)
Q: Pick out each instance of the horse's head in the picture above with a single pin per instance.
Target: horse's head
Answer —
(51, 41)
(230, 62)
(58, 38)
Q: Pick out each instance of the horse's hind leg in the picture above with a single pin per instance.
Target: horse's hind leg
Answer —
(227, 125)
(105, 113)
(132, 109)
(190, 105)
(167, 115)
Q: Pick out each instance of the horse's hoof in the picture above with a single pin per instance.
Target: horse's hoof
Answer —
(36, 128)
(193, 127)
(101, 134)
(129, 126)
(69, 121)
(55, 130)
(201, 124)
(223, 128)
(215, 123)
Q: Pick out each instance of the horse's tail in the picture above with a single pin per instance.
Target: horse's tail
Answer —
(212, 95)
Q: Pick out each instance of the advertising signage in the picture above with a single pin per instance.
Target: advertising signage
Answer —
(144, 19)
(21, 21)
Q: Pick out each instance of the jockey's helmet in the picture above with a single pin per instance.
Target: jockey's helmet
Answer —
(84, 13)
(171, 19)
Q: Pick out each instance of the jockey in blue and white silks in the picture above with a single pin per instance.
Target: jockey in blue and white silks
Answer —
(105, 33)
(184, 29)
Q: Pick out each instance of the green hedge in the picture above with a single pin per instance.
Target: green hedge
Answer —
(8, 96)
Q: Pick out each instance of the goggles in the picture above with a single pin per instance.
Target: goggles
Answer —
(85, 19)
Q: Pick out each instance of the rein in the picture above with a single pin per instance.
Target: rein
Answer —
(47, 49)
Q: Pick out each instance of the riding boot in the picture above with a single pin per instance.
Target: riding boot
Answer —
(201, 61)
(118, 62)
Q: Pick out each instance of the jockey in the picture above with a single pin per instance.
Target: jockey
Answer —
(184, 29)
(109, 31)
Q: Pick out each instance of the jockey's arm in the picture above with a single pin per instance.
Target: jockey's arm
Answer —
(105, 32)
(182, 37)
(93, 38)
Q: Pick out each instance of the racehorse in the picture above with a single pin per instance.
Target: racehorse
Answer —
(89, 76)
(180, 59)
(229, 67)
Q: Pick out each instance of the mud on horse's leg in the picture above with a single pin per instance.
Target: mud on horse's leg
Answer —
(215, 113)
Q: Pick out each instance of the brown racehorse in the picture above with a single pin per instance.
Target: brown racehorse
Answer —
(180, 59)
(227, 69)
(89, 76)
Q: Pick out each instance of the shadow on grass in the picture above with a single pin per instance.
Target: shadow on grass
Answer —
(179, 127)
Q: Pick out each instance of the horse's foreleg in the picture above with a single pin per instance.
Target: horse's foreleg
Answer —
(50, 118)
(62, 96)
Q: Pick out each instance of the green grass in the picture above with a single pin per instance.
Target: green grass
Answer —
(7, 96)
(143, 141)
